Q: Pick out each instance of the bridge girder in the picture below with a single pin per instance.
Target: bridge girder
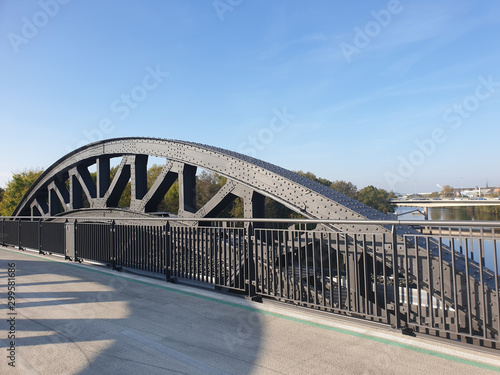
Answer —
(67, 183)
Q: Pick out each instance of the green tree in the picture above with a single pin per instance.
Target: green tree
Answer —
(313, 177)
(170, 202)
(447, 191)
(2, 191)
(207, 185)
(16, 188)
(347, 188)
(376, 198)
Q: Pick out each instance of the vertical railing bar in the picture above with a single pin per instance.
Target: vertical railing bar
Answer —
(219, 254)
(430, 304)
(216, 254)
(231, 253)
(19, 229)
(284, 269)
(148, 252)
(375, 280)
(166, 251)
(454, 286)
(177, 250)
(282, 262)
(133, 246)
(113, 244)
(192, 252)
(407, 282)
(396, 276)
(237, 258)
(299, 252)
(203, 254)
(235, 253)
(348, 273)
(471, 235)
(289, 275)
(226, 261)
(294, 281)
(140, 247)
(273, 262)
(207, 274)
(442, 281)
(185, 252)
(497, 290)
(339, 275)
(131, 241)
(199, 254)
(268, 262)
(322, 268)
(196, 256)
(189, 252)
(419, 287)
(308, 284)
(315, 276)
(481, 278)
(357, 300)
(366, 277)
(469, 302)
(152, 248)
(40, 236)
(155, 246)
(330, 268)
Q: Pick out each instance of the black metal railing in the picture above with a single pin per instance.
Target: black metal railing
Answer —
(441, 279)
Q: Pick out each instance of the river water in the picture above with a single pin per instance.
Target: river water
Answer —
(490, 246)
(462, 213)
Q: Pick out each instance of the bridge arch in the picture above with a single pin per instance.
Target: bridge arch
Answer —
(64, 186)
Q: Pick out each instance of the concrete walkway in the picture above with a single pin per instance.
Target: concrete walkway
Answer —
(86, 319)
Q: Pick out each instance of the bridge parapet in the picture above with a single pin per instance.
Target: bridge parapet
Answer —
(375, 276)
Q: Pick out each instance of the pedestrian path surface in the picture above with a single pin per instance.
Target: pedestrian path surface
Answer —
(72, 318)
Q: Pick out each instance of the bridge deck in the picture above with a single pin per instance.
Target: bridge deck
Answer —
(80, 319)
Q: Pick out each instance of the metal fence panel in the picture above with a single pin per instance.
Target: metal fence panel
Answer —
(53, 238)
(11, 232)
(92, 242)
(29, 234)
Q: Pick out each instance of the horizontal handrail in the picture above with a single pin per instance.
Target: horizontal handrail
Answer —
(426, 223)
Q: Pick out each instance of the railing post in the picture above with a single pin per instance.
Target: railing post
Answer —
(19, 234)
(3, 232)
(70, 239)
(168, 254)
(40, 236)
(395, 271)
(251, 261)
(112, 241)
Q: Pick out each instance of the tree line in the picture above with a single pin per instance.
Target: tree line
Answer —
(207, 185)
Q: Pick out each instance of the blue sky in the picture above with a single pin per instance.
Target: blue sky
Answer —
(402, 95)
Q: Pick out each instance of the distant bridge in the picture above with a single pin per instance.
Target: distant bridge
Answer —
(437, 203)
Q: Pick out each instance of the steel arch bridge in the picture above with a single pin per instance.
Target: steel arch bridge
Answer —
(68, 189)
(67, 184)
